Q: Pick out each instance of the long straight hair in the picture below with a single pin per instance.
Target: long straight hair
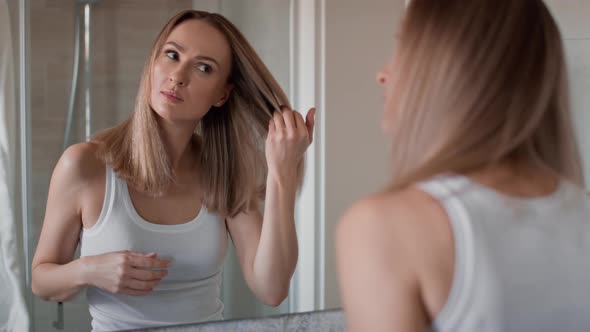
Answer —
(478, 83)
(230, 138)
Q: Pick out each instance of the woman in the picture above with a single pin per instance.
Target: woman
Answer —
(187, 167)
(485, 226)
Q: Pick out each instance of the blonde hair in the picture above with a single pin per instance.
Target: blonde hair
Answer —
(230, 138)
(477, 83)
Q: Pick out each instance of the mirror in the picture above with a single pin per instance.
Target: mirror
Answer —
(86, 60)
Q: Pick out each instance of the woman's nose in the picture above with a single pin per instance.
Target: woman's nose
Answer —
(178, 78)
(381, 77)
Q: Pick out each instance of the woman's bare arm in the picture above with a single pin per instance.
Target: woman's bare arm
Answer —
(267, 246)
(378, 261)
(56, 275)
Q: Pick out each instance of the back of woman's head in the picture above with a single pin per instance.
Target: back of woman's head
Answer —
(477, 83)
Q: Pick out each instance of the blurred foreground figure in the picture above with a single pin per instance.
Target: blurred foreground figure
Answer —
(485, 225)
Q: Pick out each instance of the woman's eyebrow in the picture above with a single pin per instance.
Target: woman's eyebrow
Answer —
(180, 48)
(204, 57)
(199, 57)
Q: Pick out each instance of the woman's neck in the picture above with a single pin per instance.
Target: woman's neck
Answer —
(521, 178)
(179, 143)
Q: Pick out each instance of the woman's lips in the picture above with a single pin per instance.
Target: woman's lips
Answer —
(172, 97)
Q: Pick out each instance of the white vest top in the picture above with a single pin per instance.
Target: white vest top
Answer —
(189, 293)
(521, 265)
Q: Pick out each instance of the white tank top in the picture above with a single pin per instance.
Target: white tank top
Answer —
(189, 293)
(521, 265)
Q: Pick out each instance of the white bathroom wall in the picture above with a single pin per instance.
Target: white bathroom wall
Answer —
(573, 17)
(359, 40)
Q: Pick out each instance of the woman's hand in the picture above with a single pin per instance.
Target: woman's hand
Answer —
(289, 136)
(125, 272)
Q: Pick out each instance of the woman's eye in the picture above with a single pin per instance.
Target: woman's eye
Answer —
(204, 68)
(172, 55)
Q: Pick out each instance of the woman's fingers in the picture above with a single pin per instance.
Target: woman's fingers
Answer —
(288, 117)
(288, 138)
(134, 292)
(140, 254)
(292, 124)
(127, 272)
(148, 275)
(141, 285)
(300, 123)
(148, 262)
(277, 118)
(310, 123)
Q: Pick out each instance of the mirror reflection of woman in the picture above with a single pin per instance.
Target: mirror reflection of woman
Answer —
(151, 200)
(485, 226)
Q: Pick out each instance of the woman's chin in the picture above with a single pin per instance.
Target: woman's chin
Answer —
(175, 116)
(167, 114)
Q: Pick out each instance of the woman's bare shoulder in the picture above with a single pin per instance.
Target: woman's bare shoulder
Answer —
(410, 207)
(81, 162)
(408, 224)
(78, 178)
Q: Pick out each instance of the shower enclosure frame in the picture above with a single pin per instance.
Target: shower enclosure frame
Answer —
(25, 137)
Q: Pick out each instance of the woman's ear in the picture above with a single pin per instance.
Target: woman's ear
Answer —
(225, 96)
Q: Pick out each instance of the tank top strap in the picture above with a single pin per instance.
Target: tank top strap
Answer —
(110, 199)
(446, 190)
(116, 182)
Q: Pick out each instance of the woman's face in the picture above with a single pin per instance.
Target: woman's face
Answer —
(190, 72)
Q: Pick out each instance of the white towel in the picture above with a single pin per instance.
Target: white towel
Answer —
(13, 310)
